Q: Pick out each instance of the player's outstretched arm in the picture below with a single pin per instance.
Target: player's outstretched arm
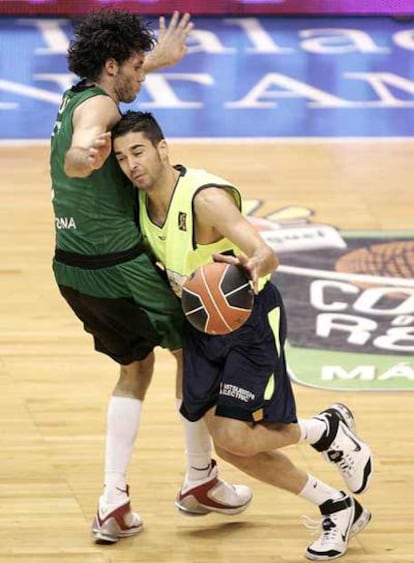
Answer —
(171, 46)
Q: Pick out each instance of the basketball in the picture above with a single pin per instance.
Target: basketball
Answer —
(217, 298)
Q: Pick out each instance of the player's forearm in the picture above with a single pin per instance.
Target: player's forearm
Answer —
(77, 164)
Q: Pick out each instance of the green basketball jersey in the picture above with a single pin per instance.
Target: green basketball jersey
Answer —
(93, 215)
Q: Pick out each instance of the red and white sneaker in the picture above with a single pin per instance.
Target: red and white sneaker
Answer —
(115, 521)
(213, 495)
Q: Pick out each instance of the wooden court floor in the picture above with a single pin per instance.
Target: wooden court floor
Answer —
(54, 387)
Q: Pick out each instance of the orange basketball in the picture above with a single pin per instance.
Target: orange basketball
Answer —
(217, 298)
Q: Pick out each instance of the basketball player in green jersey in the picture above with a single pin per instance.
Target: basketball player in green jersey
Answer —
(99, 263)
(238, 382)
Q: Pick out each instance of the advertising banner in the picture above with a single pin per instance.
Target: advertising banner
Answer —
(212, 7)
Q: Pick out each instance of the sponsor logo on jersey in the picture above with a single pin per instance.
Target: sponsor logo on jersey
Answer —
(182, 221)
(65, 223)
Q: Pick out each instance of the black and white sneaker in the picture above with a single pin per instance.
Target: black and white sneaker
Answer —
(341, 446)
(338, 517)
(362, 518)
(345, 415)
(328, 546)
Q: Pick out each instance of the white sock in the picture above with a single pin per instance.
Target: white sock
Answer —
(123, 418)
(197, 448)
(317, 492)
(311, 429)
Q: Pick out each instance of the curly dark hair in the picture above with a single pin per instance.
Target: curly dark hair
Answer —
(107, 34)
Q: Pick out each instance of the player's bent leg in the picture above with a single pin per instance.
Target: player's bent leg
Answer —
(203, 491)
(341, 446)
(243, 439)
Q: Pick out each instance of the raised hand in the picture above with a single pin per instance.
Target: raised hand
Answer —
(171, 46)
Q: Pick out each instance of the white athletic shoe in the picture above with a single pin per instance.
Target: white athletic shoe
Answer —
(115, 521)
(341, 446)
(362, 518)
(213, 495)
(338, 516)
(345, 414)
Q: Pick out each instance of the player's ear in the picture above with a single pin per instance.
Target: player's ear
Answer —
(163, 149)
(111, 67)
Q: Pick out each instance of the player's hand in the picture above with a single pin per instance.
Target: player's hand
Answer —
(99, 151)
(171, 46)
(248, 264)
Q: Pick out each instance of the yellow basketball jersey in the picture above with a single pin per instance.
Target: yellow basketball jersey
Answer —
(173, 244)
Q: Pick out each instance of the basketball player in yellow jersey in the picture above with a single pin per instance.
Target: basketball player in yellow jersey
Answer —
(238, 382)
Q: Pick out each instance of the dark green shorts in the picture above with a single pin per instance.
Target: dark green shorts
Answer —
(128, 308)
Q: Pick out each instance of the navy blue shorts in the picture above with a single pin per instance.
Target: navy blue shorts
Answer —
(243, 373)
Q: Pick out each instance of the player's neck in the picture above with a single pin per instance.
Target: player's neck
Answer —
(160, 196)
(108, 88)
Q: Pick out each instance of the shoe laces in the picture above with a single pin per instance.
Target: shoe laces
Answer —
(326, 526)
(225, 488)
(346, 463)
(311, 524)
